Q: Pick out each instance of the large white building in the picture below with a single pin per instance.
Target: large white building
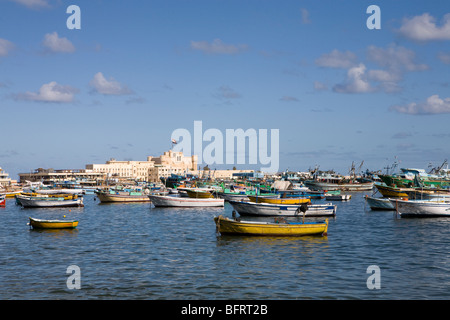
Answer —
(150, 170)
(155, 168)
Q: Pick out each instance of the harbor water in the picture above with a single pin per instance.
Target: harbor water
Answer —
(136, 251)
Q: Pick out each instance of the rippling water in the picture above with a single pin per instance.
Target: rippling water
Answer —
(134, 251)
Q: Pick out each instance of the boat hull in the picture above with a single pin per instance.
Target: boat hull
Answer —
(199, 193)
(338, 197)
(268, 209)
(418, 208)
(317, 185)
(235, 197)
(292, 201)
(392, 191)
(52, 224)
(379, 203)
(2, 200)
(167, 201)
(232, 227)
(106, 197)
(34, 202)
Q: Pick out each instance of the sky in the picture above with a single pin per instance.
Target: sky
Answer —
(136, 71)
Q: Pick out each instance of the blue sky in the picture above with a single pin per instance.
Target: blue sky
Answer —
(136, 71)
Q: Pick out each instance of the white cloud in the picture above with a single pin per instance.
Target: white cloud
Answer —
(424, 28)
(50, 92)
(108, 87)
(337, 59)
(33, 4)
(217, 47)
(356, 81)
(5, 47)
(393, 62)
(55, 44)
(433, 105)
(395, 59)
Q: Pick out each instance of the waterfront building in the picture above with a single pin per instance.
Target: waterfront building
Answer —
(51, 176)
(5, 180)
(128, 171)
(150, 170)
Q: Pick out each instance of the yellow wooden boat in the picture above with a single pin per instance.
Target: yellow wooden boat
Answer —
(53, 224)
(66, 196)
(389, 192)
(12, 194)
(200, 193)
(279, 200)
(281, 228)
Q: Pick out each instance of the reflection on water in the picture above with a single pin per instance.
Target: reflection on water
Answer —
(137, 251)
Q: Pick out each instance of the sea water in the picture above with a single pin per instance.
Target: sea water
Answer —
(136, 251)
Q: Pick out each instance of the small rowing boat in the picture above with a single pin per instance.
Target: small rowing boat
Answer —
(46, 202)
(379, 203)
(121, 196)
(269, 209)
(53, 224)
(168, 201)
(281, 228)
(277, 200)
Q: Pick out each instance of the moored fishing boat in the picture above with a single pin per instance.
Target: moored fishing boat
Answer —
(332, 181)
(339, 185)
(269, 209)
(200, 192)
(379, 203)
(12, 194)
(282, 228)
(338, 197)
(237, 196)
(53, 224)
(2, 200)
(421, 208)
(66, 196)
(169, 201)
(122, 196)
(335, 195)
(388, 192)
(429, 194)
(46, 202)
(273, 200)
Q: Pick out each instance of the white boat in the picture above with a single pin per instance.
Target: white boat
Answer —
(421, 208)
(231, 196)
(54, 191)
(379, 203)
(168, 201)
(45, 202)
(121, 196)
(269, 209)
(338, 197)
